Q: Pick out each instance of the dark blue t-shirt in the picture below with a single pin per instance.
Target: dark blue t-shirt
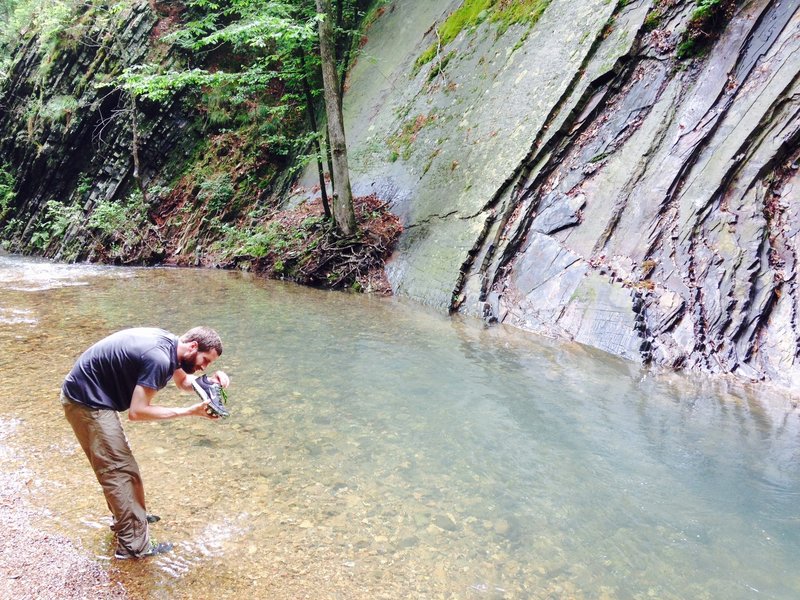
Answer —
(107, 373)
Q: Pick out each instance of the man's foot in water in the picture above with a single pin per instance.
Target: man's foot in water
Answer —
(155, 548)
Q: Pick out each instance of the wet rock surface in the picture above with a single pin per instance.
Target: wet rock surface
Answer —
(580, 179)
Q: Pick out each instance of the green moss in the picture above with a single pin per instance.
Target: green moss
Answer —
(652, 20)
(470, 14)
(441, 65)
(519, 12)
(707, 21)
(474, 12)
(686, 49)
(401, 143)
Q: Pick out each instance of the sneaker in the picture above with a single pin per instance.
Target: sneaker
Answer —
(155, 548)
(211, 392)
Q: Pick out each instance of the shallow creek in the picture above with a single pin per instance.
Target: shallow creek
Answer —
(379, 450)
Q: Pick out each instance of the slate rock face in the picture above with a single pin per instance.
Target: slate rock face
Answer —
(66, 127)
(579, 179)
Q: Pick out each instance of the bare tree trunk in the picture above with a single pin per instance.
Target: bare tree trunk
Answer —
(137, 171)
(328, 157)
(344, 41)
(343, 212)
(314, 127)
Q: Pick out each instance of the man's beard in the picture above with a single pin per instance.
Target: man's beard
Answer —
(189, 365)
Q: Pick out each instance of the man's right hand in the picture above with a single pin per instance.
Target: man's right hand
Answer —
(201, 410)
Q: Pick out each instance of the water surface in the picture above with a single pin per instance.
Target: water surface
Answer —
(378, 450)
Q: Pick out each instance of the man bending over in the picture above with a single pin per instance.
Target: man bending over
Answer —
(123, 372)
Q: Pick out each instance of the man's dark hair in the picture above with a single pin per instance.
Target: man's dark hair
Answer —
(207, 339)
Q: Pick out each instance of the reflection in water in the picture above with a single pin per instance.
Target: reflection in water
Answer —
(377, 450)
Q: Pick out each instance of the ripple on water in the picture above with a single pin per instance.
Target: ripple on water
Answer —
(16, 316)
(32, 275)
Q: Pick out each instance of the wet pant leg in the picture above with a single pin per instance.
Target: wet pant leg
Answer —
(102, 438)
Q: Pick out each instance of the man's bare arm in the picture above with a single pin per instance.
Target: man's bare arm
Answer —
(142, 410)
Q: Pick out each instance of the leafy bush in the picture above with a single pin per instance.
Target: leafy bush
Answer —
(124, 224)
(53, 224)
(7, 193)
(302, 245)
(216, 192)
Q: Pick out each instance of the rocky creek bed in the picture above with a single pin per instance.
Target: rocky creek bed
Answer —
(35, 563)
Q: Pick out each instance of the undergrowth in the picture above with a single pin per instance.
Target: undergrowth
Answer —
(301, 245)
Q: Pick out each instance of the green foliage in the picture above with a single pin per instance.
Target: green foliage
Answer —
(7, 194)
(255, 242)
(53, 224)
(287, 242)
(261, 58)
(147, 81)
(120, 224)
(704, 10)
(216, 192)
(59, 108)
(56, 24)
(245, 63)
(263, 34)
(84, 185)
(707, 21)
(108, 217)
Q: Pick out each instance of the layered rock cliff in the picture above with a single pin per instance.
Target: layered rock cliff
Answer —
(72, 137)
(619, 173)
(583, 177)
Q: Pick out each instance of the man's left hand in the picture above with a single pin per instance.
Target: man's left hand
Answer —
(221, 378)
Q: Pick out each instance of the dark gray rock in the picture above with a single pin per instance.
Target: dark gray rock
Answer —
(581, 180)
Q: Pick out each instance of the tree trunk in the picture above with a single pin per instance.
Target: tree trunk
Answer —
(137, 167)
(313, 119)
(343, 212)
(344, 40)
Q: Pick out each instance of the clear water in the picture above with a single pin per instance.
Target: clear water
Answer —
(377, 450)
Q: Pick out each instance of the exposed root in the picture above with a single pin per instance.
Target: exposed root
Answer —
(313, 253)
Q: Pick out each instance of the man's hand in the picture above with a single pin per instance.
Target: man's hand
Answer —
(200, 410)
(221, 378)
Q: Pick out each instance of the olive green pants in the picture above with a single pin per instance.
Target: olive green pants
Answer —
(103, 440)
